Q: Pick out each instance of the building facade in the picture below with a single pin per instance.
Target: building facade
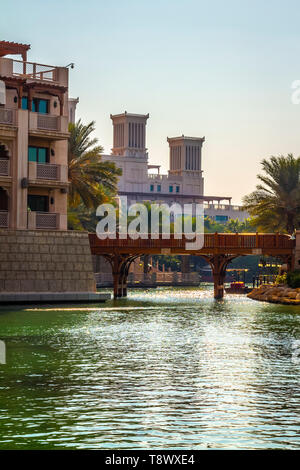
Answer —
(142, 181)
(34, 120)
(40, 260)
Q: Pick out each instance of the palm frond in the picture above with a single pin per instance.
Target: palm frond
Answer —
(275, 204)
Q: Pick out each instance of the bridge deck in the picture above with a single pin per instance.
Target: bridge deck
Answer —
(214, 243)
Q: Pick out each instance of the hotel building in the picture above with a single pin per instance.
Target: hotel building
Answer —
(40, 260)
(34, 120)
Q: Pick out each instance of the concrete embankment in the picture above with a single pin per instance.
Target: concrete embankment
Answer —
(276, 294)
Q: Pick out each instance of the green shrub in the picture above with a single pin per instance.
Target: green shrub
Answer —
(281, 279)
(293, 279)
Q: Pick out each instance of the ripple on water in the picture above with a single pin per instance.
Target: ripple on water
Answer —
(165, 368)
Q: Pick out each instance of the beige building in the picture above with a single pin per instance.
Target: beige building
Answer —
(40, 260)
(34, 119)
(142, 181)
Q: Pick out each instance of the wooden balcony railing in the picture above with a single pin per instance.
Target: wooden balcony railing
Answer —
(48, 171)
(4, 167)
(4, 219)
(46, 220)
(47, 122)
(7, 116)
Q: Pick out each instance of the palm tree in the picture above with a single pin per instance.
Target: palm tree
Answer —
(275, 205)
(91, 180)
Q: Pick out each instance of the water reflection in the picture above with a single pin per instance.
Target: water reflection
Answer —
(161, 369)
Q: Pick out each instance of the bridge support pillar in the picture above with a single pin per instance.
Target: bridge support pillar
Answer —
(120, 267)
(218, 265)
(218, 285)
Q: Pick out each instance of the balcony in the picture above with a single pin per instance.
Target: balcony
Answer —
(48, 125)
(45, 171)
(33, 71)
(47, 174)
(43, 221)
(7, 116)
(48, 122)
(4, 219)
(4, 167)
(223, 207)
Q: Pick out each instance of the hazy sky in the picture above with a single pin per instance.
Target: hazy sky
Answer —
(219, 69)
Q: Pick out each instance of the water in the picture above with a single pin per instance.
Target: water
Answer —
(162, 369)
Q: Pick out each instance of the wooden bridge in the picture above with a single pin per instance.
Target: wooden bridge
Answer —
(218, 250)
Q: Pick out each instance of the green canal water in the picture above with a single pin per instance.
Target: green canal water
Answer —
(165, 368)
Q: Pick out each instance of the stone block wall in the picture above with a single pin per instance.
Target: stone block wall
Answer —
(45, 261)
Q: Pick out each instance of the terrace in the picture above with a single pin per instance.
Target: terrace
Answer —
(27, 70)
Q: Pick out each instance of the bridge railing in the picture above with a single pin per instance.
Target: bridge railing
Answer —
(248, 240)
(211, 240)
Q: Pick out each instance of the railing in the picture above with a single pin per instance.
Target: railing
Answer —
(4, 167)
(7, 116)
(247, 240)
(46, 220)
(223, 207)
(3, 219)
(47, 122)
(156, 176)
(47, 171)
(221, 241)
(32, 70)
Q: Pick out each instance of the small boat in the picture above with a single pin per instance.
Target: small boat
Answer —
(237, 287)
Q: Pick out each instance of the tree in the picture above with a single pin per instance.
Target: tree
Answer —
(275, 204)
(92, 181)
(236, 226)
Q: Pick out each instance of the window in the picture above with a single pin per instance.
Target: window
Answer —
(39, 105)
(177, 189)
(170, 189)
(38, 203)
(151, 187)
(221, 218)
(24, 102)
(158, 188)
(38, 154)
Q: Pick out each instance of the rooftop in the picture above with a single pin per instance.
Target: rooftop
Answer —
(184, 137)
(130, 115)
(12, 48)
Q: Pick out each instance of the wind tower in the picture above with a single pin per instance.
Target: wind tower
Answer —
(129, 134)
(185, 155)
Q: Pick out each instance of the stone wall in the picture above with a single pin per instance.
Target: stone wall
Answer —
(45, 261)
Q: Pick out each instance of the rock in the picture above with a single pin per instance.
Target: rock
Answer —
(276, 294)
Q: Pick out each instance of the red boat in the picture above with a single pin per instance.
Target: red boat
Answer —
(237, 287)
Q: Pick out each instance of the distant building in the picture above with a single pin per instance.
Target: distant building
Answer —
(72, 103)
(184, 182)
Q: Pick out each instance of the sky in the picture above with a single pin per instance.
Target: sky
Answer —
(219, 69)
